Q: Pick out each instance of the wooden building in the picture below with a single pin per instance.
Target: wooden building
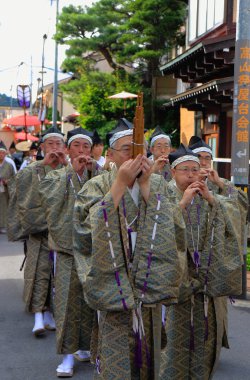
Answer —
(204, 75)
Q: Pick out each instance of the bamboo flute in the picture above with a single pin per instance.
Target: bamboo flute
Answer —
(138, 133)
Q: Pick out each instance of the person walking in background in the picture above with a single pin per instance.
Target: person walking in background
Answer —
(97, 149)
(29, 152)
(6, 172)
(74, 319)
(15, 156)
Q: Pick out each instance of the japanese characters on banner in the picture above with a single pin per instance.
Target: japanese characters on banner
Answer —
(241, 113)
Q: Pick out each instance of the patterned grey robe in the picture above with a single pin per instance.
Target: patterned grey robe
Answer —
(116, 285)
(6, 173)
(192, 349)
(74, 319)
(37, 293)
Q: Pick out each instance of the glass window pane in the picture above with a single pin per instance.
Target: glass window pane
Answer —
(210, 14)
(202, 16)
(219, 11)
(192, 19)
(212, 143)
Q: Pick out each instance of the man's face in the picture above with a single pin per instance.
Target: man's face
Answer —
(2, 155)
(53, 144)
(160, 148)
(121, 151)
(79, 147)
(186, 173)
(205, 160)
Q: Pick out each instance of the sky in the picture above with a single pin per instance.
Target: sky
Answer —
(23, 24)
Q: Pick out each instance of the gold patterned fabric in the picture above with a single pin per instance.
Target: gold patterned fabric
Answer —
(192, 349)
(6, 173)
(166, 173)
(30, 214)
(37, 274)
(151, 275)
(74, 318)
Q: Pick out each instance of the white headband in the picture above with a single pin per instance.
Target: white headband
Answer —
(202, 149)
(80, 136)
(159, 137)
(3, 149)
(54, 134)
(119, 135)
(183, 159)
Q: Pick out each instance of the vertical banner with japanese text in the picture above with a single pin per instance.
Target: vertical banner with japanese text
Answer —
(241, 105)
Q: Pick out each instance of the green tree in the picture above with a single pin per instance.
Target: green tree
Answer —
(89, 95)
(131, 35)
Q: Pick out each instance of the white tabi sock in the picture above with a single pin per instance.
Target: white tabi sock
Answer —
(67, 363)
(39, 325)
(82, 356)
(49, 321)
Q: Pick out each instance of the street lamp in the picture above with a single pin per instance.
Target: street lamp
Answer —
(42, 108)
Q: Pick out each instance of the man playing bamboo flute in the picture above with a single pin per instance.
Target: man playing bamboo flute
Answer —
(134, 263)
(214, 268)
(74, 319)
(160, 147)
(224, 187)
(38, 279)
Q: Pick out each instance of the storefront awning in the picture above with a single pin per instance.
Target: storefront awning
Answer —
(211, 94)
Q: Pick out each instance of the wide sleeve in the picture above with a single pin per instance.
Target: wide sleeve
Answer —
(223, 273)
(14, 226)
(57, 198)
(32, 215)
(98, 249)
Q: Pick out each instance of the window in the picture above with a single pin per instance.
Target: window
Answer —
(212, 142)
(204, 15)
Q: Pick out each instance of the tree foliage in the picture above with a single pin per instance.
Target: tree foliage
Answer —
(132, 36)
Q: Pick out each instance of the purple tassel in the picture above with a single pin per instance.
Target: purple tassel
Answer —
(51, 256)
(138, 351)
(149, 259)
(196, 259)
(124, 304)
(117, 277)
(105, 215)
(206, 328)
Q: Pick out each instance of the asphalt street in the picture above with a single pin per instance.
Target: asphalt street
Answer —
(24, 357)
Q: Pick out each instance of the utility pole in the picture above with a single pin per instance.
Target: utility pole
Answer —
(241, 112)
(42, 109)
(31, 84)
(55, 87)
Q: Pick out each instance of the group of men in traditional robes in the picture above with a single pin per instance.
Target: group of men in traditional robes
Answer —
(134, 263)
